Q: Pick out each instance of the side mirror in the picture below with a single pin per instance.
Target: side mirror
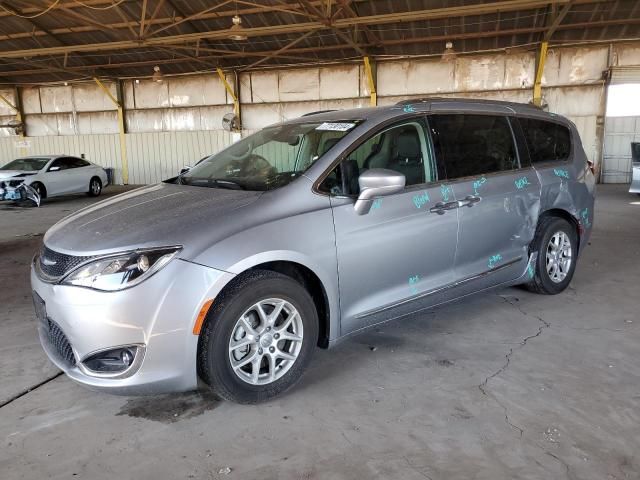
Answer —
(185, 169)
(377, 182)
(54, 169)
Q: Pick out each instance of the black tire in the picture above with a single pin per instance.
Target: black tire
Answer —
(214, 364)
(40, 189)
(541, 281)
(95, 187)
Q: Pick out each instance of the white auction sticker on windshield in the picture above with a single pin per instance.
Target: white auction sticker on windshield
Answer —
(336, 127)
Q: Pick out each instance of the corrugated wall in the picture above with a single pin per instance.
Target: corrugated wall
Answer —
(178, 121)
(154, 157)
(619, 133)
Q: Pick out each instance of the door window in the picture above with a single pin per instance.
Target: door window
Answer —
(472, 145)
(546, 141)
(60, 163)
(402, 148)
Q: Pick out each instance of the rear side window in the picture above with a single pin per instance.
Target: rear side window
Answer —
(471, 145)
(546, 141)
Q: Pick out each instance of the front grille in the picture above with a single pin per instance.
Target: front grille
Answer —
(58, 340)
(55, 265)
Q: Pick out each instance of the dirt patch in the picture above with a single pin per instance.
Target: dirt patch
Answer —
(170, 408)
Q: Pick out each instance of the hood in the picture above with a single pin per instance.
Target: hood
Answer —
(4, 174)
(154, 216)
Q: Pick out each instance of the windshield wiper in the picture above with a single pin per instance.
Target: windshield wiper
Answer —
(219, 182)
(212, 183)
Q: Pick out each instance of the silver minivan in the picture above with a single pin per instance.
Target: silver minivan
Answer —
(305, 233)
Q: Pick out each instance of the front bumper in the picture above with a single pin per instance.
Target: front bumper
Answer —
(158, 314)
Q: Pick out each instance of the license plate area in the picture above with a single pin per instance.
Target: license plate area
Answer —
(41, 310)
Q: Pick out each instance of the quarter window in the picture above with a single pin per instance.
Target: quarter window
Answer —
(470, 145)
(546, 141)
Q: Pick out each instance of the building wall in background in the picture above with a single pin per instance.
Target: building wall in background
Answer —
(620, 132)
(176, 122)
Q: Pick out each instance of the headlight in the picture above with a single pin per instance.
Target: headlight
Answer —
(122, 271)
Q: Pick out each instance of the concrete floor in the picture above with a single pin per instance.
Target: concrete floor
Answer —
(503, 385)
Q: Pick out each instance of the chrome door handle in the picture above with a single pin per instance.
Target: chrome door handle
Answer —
(469, 201)
(441, 208)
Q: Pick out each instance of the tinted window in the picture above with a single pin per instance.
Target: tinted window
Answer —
(546, 141)
(78, 162)
(635, 152)
(470, 145)
(60, 163)
(402, 148)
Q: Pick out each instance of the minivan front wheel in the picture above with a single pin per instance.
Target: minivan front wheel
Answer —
(556, 244)
(258, 338)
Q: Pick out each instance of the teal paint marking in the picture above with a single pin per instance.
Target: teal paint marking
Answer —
(561, 172)
(377, 203)
(493, 261)
(584, 216)
(412, 284)
(477, 184)
(445, 191)
(530, 271)
(409, 109)
(421, 199)
(522, 182)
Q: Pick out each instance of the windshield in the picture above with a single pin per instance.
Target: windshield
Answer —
(29, 164)
(268, 159)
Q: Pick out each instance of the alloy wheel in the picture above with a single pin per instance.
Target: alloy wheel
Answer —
(266, 341)
(559, 256)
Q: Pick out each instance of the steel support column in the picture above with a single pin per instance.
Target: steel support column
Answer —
(537, 85)
(370, 72)
(232, 93)
(121, 130)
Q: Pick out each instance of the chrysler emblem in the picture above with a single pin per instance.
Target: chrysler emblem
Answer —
(48, 261)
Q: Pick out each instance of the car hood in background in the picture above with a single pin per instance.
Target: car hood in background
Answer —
(158, 215)
(4, 174)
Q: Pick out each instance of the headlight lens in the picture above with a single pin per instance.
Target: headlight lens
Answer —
(121, 271)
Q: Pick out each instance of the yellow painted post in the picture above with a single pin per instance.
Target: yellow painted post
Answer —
(371, 80)
(537, 85)
(121, 131)
(232, 94)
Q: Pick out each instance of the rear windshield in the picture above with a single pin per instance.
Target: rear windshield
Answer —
(28, 164)
(268, 159)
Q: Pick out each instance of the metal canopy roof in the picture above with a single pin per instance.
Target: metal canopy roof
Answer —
(125, 38)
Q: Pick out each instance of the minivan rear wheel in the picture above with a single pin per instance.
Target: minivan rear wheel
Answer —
(258, 338)
(556, 243)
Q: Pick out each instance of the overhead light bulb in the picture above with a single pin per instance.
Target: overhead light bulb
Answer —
(237, 30)
(449, 54)
(157, 74)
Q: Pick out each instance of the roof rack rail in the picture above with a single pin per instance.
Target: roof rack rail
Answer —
(319, 111)
(419, 100)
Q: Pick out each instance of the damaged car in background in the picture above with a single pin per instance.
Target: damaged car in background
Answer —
(38, 177)
(305, 233)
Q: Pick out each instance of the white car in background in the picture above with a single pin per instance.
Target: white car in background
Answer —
(51, 175)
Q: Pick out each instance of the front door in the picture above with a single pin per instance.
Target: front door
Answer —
(498, 200)
(391, 259)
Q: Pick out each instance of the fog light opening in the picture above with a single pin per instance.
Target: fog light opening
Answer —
(112, 361)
